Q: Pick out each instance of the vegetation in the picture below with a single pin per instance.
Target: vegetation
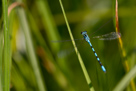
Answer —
(32, 60)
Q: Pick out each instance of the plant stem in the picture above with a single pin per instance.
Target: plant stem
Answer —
(1, 56)
(30, 48)
(125, 62)
(77, 52)
(49, 24)
(126, 79)
(7, 56)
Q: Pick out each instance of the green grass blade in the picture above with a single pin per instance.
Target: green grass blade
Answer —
(31, 52)
(7, 57)
(126, 79)
(49, 24)
(1, 56)
(56, 72)
(77, 52)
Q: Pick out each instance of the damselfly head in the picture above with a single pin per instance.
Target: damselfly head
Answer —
(84, 32)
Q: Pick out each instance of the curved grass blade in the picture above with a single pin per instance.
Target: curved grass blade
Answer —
(126, 79)
(47, 58)
(48, 23)
(30, 47)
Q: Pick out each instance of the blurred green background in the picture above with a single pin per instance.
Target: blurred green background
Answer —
(58, 63)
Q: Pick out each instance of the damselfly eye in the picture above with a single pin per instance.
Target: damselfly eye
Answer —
(84, 32)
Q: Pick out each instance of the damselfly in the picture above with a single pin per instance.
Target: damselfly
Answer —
(109, 36)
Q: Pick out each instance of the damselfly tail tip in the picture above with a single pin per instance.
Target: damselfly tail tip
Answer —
(103, 68)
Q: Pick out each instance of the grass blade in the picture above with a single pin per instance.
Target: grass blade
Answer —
(1, 56)
(30, 47)
(125, 62)
(77, 52)
(7, 57)
(45, 54)
(127, 78)
(49, 24)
